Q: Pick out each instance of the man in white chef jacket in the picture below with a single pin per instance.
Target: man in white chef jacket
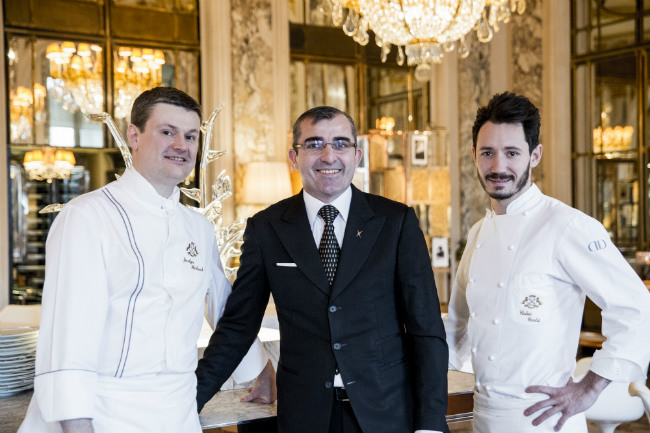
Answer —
(128, 270)
(518, 296)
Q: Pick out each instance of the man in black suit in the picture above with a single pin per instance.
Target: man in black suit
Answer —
(362, 343)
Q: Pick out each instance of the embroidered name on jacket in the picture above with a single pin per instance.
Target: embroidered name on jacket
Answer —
(597, 245)
(192, 252)
(531, 302)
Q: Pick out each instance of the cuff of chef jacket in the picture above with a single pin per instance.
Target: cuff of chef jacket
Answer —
(252, 364)
(616, 370)
(67, 394)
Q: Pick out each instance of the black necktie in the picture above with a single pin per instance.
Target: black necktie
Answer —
(329, 247)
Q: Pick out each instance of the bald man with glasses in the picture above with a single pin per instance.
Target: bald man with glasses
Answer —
(362, 342)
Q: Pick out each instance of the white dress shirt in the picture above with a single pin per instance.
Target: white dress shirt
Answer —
(127, 275)
(518, 298)
(317, 224)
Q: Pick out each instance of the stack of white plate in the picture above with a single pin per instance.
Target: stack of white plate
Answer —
(17, 355)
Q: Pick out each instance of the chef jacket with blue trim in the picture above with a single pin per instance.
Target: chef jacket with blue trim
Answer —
(518, 299)
(127, 275)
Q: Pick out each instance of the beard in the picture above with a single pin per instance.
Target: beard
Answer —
(498, 195)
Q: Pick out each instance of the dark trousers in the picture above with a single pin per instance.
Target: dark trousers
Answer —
(264, 426)
(343, 419)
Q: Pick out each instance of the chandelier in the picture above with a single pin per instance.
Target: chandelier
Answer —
(76, 76)
(76, 79)
(422, 30)
(49, 164)
(24, 107)
(136, 70)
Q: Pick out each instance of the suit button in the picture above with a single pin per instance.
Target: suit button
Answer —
(328, 384)
(337, 346)
(333, 309)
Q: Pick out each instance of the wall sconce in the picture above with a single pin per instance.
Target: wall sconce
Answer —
(49, 164)
(385, 125)
(618, 138)
(265, 183)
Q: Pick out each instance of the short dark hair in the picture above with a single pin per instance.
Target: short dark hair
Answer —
(317, 114)
(507, 107)
(144, 103)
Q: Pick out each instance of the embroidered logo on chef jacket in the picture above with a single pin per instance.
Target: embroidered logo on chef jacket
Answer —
(192, 252)
(600, 244)
(531, 302)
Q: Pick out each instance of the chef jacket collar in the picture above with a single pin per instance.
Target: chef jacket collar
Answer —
(140, 187)
(523, 203)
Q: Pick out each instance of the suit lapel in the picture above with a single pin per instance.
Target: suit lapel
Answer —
(296, 236)
(361, 232)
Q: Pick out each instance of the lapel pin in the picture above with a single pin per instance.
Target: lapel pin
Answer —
(359, 233)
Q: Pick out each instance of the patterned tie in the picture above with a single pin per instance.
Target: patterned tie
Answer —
(329, 247)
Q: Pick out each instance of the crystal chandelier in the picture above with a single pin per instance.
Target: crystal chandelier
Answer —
(422, 30)
(136, 70)
(76, 76)
(24, 107)
(76, 79)
(49, 164)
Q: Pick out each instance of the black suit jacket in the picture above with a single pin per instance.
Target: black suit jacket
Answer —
(380, 324)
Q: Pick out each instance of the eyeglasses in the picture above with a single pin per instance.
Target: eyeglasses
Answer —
(316, 145)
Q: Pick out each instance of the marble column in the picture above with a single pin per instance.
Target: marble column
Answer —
(511, 61)
(556, 85)
(245, 65)
(216, 88)
(473, 92)
(526, 40)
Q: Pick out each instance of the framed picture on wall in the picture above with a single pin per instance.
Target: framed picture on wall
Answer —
(440, 252)
(419, 149)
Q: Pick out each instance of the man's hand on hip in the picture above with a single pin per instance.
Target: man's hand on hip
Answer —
(571, 399)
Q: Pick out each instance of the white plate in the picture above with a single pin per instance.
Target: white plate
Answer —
(24, 338)
(21, 358)
(17, 381)
(27, 345)
(18, 331)
(16, 369)
(13, 351)
(11, 391)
